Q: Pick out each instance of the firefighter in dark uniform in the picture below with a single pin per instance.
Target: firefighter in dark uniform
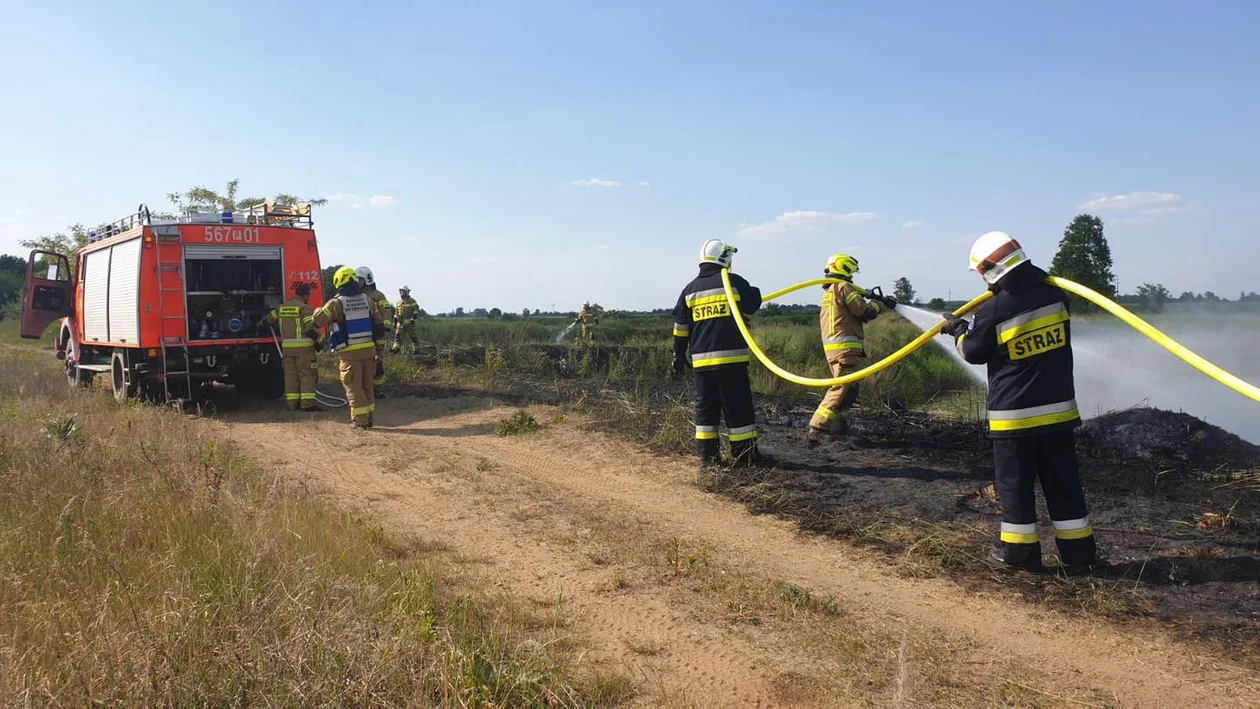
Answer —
(704, 326)
(1024, 335)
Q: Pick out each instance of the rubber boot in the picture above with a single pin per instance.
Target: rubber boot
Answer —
(814, 438)
(1019, 556)
(744, 454)
(709, 451)
(1079, 556)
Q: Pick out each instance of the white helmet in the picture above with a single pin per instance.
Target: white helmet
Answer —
(717, 251)
(365, 274)
(996, 254)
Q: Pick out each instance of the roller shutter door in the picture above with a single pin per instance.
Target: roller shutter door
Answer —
(124, 293)
(96, 296)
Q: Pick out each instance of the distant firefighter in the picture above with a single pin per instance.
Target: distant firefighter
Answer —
(1024, 335)
(407, 314)
(588, 318)
(705, 328)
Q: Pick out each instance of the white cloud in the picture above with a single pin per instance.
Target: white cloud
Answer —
(643, 184)
(596, 182)
(356, 201)
(806, 220)
(1147, 203)
(912, 224)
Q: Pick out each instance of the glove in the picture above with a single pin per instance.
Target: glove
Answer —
(679, 366)
(380, 370)
(954, 325)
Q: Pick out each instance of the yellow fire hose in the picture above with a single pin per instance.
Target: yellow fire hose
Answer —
(1213, 371)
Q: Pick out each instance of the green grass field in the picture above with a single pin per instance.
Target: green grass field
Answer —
(638, 348)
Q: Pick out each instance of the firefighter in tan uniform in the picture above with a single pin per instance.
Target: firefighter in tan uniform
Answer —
(588, 318)
(356, 328)
(845, 308)
(408, 313)
(298, 340)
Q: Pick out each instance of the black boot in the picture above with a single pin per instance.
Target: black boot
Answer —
(1026, 557)
(709, 451)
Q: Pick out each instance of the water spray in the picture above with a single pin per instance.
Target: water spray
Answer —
(565, 333)
(1242, 387)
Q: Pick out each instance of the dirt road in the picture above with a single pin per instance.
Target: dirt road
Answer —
(699, 602)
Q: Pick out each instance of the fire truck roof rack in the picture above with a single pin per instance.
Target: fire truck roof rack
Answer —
(295, 216)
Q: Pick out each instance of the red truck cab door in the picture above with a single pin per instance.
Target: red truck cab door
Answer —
(49, 292)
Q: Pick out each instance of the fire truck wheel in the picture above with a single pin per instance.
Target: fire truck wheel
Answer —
(118, 370)
(78, 378)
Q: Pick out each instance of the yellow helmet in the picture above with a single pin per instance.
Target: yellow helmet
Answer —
(842, 265)
(344, 275)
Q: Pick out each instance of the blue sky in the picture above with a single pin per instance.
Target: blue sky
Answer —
(530, 154)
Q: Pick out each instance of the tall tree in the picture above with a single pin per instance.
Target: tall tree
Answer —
(1155, 295)
(66, 242)
(1085, 257)
(326, 276)
(903, 291)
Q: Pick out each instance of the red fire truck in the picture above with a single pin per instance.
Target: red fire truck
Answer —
(167, 307)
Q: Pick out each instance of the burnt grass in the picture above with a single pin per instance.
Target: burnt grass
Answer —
(1175, 502)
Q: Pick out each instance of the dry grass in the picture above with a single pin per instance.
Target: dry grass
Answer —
(142, 562)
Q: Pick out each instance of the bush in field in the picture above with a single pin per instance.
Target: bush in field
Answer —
(517, 424)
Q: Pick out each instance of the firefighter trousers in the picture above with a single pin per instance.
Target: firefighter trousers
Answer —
(357, 369)
(1050, 458)
(406, 334)
(724, 392)
(832, 412)
(300, 377)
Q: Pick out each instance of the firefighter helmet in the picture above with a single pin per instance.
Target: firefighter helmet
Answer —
(842, 265)
(344, 275)
(717, 251)
(365, 276)
(405, 290)
(996, 254)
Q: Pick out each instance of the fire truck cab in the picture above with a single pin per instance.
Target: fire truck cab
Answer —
(167, 307)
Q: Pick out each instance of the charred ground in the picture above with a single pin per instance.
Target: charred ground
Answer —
(1175, 501)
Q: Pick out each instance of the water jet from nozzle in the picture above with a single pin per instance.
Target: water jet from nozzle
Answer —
(925, 320)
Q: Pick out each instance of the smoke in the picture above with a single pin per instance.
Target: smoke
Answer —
(1118, 367)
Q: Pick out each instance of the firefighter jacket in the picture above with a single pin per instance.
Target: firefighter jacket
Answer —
(354, 321)
(1024, 335)
(844, 310)
(588, 317)
(408, 310)
(382, 303)
(703, 323)
(296, 323)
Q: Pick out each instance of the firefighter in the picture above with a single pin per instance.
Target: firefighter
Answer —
(407, 312)
(588, 318)
(368, 281)
(299, 341)
(846, 307)
(705, 327)
(1024, 335)
(356, 328)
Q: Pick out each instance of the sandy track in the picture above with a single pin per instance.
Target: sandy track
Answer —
(587, 522)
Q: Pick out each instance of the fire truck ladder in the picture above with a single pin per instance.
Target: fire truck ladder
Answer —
(168, 241)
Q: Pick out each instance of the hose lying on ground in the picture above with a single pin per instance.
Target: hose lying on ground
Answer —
(330, 400)
(1194, 360)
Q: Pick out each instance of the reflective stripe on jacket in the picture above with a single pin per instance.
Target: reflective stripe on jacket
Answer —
(1024, 335)
(844, 307)
(293, 320)
(703, 324)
